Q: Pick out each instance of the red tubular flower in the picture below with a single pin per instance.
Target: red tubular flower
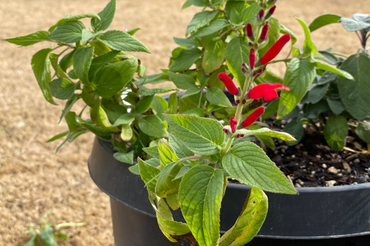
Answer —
(249, 30)
(264, 32)
(252, 58)
(233, 124)
(272, 10)
(267, 91)
(253, 116)
(229, 84)
(275, 49)
(261, 14)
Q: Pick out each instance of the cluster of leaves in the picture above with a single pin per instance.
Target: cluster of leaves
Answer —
(334, 104)
(47, 233)
(93, 65)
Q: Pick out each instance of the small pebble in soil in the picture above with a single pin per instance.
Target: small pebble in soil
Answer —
(293, 156)
(310, 163)
(318, 156)
(324, 165)
(332, 170)
(330, 183)
(356, 160)
(313, 172)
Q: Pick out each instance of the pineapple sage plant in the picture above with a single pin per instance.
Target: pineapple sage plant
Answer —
(184, 159)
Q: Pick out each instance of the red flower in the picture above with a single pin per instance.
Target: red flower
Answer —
(249, 30)
(267, 91)
(272, 10)
(252, 58)
(229, 84)
(253, 116)
(261, 14)
(233, 124)
(264, 32)
(275, 49)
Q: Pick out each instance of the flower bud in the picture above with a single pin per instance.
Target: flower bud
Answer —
(229, 84)
(237, 101)
(252, 58)
(250, 44)
(249, 31)
(264, 32)
(261, 14)
(275, 49)
(253, 117)
(271, 12)
(225, 130)
(233, 124)
(244, 101)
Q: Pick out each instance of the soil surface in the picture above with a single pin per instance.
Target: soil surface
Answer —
(35, 179)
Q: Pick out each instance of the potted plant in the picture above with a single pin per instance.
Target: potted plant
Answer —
(99, 78)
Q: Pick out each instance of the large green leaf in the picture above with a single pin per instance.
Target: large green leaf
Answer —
(186, 59)
(214, 54)
(215, 26)
(124, 157)
(69, 32)
(143, 91)
(202, 136)
(266, 132)
(148, 174)
(323, 20)
(308, 46)
(249, 13)
(29, 39)
(200, 196)
(296, 129)
(356, 22)
(118, 40)
(153, 126)
(144, 104)
(338, 71)
(355, 94)
(363, 131)
(182, 81)
(82, 59)
(298, 77)
(237, 52)
(217, 97)
(167, 185)
(180, 149)
(166, 153)
(62, 88)
(106, 16)
(199, 20)
(250, 220)
(41, 68)
(97, 130)
(70, 18)
(335, 132)
(113, 77)
(249, 164)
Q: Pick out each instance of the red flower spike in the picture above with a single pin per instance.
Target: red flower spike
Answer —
(253, 117)
(233, 124)
(267, 91)
(252, 58)
(275, 49)
(249, 30)
(261, 14)
(264, 32)
(229, 84)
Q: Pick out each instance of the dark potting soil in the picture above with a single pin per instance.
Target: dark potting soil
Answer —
(312, 163)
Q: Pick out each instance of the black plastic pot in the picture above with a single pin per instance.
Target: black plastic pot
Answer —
(327, 216)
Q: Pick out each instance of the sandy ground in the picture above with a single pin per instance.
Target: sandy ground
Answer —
(33, 179)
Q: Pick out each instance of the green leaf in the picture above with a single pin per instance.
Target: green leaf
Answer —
(99, 116)
(182, 81)
(199, 20)
(69, 104)
(317, 93)
(191, 91)
(217, 97)
(271, 109)
(298, 77)
(338, 71)
(69, 32)
(100, 61)
(237, 52)
(200, 196)
(153, 126)
(125, 157)
(29, 39)
(143, 91)
(101, 132)
(114, 77)
(214, 54)
(356, 22)
(124, 119)
(159, 106)
(335, 132)
(201, 135)
(126, 133)
(249, 164)
(166, 153)
(133, 31)
(144, 104)
(41, 68)
(296, 129)
(323, 20)
(58, 136)
(70, 18)
(335, 105)
(148, 174)
(308, 46)
(215, 26)
(199, 3)
(180, 149)
(47, 236)
(249, 13)
(106, 16)
(62, 88)
(118, 40)
(172, 104)
(355, 94)
(61, 234)
(185, 41)
(33, 239)
(186, 59)
(266, 132)
(285, 30)
(152, 151)
(66, 61)
(82, 59)
(249, 221)
(166, 184)
(363, 131)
